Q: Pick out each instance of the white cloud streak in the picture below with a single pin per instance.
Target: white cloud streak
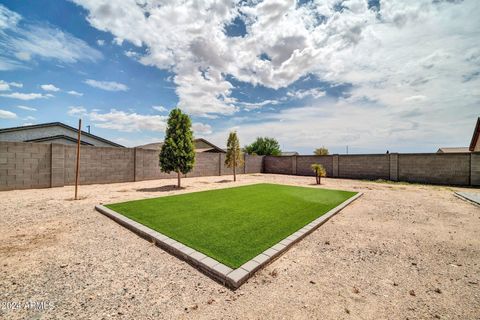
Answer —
(107, 85)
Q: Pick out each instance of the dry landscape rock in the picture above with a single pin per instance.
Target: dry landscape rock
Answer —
(364, 263)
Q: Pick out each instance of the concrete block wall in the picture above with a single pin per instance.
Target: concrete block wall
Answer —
(147, 166)
(303, 167)
(253, 164)
(206, 164)
(436, 168)
(280, 164)
(99, 164)
(364, 166)
(24, 165)
(433, 168)
(475, 169)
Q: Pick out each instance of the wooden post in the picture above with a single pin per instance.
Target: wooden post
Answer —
(77, 170)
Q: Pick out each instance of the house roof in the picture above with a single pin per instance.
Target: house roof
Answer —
(475, 136)
(289, 153)
(158, 146)
(454, 150)
(60, 136)
(59, 124)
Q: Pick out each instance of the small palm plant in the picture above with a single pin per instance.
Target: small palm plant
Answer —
(319, 172)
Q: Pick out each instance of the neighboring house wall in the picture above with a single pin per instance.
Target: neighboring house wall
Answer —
(41, 132)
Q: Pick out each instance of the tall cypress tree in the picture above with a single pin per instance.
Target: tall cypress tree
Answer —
(233, 158)
(178, 150)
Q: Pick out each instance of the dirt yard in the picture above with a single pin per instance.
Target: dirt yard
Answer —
(398, 252)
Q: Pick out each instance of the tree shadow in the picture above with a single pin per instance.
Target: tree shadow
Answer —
(166, 188)
(223, 181)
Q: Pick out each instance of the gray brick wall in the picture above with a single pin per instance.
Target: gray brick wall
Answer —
(99, 165)
(282, 165)
(253, 164)
(475, 169)
(437, 168)
(24, 165)
(304, 164)
(364, 166)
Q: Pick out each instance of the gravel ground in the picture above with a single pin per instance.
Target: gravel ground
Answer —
(398, 252)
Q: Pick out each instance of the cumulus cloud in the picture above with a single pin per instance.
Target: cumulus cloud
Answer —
(201, 128)
(387, 55)
(76, 111)
(301, 94)
(5, 114)
(49, 87)
(128, 121)
(5, 86)
(26, 96)
(22, 42)
(107, 85)
(160, 108)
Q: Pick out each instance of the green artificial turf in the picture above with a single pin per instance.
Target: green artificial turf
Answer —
(233, 225)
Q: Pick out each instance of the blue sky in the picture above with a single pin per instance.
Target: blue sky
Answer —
(374, 75)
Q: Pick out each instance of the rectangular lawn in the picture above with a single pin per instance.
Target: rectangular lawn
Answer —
(233, 225)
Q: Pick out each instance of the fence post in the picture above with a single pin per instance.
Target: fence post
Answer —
(57, 165)
(475, 169)
(294, 165)
(244, 163)
(219, 164)
(335, 166)
(393, 159)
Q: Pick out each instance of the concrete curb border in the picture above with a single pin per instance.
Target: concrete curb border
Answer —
(232, 278)
(461, 195)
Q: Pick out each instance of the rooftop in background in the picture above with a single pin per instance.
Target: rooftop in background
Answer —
(201, 145)
(53, 132)
(454, 150)
(289, 153)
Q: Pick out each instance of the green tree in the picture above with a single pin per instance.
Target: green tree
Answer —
(178, 150)
(234, 157)
(319, 171)
(264, 146)
(321, 151)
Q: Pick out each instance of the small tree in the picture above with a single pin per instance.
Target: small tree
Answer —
(319, 172)
(234, 157)
(178, 150)
(321, 151)
(264, 147)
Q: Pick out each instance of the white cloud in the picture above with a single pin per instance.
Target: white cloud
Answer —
(4, 114)
(23, 42)
(257, 105)
(5, 86)
(160, 108)
(377, 52)
(101, 42)
(107, 85)
(26, 96)
(201, 128)
(27, 108)
(128, 121)
(301, 94)
(29, 118)
(49, 87)
(76, 111)
(75, 93)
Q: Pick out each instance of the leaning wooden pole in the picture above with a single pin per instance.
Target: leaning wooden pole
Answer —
(77, 169)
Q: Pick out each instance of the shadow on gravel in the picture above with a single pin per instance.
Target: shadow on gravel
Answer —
(161, 189)
(223, 181)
